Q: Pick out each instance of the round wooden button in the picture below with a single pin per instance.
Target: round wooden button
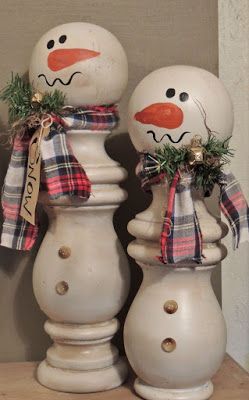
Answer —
(170, 307)
(64, 252)
(168, 345)
(61, 287)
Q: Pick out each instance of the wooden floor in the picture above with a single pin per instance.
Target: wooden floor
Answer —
(17, 382)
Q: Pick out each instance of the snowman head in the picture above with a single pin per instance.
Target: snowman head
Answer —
(84, 61)
(173, 104)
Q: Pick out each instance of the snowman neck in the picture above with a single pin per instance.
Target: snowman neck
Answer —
(90, 118)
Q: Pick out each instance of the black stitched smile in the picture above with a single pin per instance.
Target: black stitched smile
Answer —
(58, 79)
(166, 134)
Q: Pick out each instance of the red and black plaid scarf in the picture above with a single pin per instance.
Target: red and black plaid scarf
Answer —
(181, 238)
(61, 173)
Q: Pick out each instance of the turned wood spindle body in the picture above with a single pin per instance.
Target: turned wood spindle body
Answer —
(81, 274)
(175, 333)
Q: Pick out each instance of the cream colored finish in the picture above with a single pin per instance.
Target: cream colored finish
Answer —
(233, 69)
(153, 35)
(204, 90)
(96, 274)
(102, 78)
(83, 287)
(196, 326)
(196, 333)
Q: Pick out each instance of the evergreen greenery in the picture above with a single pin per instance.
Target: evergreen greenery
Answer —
(18, 96)
(216, 155)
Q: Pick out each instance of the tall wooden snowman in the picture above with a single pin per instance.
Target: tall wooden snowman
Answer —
(175, 334)
(81, 275)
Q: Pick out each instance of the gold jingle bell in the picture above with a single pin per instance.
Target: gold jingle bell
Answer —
(196, 151)
(36, 99)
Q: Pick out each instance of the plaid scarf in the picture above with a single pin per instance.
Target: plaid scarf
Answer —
(181, 238)
(61, 173)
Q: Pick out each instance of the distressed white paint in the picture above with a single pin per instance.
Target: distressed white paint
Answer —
(175, 121)
(234, 71)
(82, 293)
(197, 327)
(79, 55)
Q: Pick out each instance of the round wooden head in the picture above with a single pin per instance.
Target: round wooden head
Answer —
(173, 104)
(84, 61)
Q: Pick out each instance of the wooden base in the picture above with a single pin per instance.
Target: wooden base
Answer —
(100, 380)
(82, 358)
(18, 382)
(81, 281)
(148, 392)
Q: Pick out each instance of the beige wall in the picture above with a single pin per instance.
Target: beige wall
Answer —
(154, 34)
(234, 67)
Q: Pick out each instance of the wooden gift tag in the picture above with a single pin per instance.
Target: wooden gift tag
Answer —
(32, 184)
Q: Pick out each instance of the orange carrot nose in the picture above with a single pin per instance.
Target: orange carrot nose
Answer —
(163, 115)
(63, 58)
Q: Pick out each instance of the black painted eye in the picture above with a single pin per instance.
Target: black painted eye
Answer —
(50, 44)
(184, 96)
(170, 92)
(62, 38)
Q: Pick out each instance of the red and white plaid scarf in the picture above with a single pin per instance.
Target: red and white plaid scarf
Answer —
(181, 238)
(61, 173)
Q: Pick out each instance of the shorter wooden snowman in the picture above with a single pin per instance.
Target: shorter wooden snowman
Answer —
(81, 274)
(175, 334)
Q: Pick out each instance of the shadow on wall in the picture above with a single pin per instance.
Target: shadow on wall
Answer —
(28, 319)
(120, 148)
(30, 324)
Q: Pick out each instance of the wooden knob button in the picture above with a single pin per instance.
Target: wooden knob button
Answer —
(170, 307)
(61, 287)
(168, 345)
(64, 252)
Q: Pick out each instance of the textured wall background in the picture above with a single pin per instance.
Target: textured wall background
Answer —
(154, 34)
(234, 71)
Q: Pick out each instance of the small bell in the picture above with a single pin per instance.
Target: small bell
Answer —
(196, 151)
(36, 100)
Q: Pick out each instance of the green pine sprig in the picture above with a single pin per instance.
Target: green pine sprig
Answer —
(18, 96)
(207, 174)
(218, 148)
(53, 102)
(217, 154)
(171, 159)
